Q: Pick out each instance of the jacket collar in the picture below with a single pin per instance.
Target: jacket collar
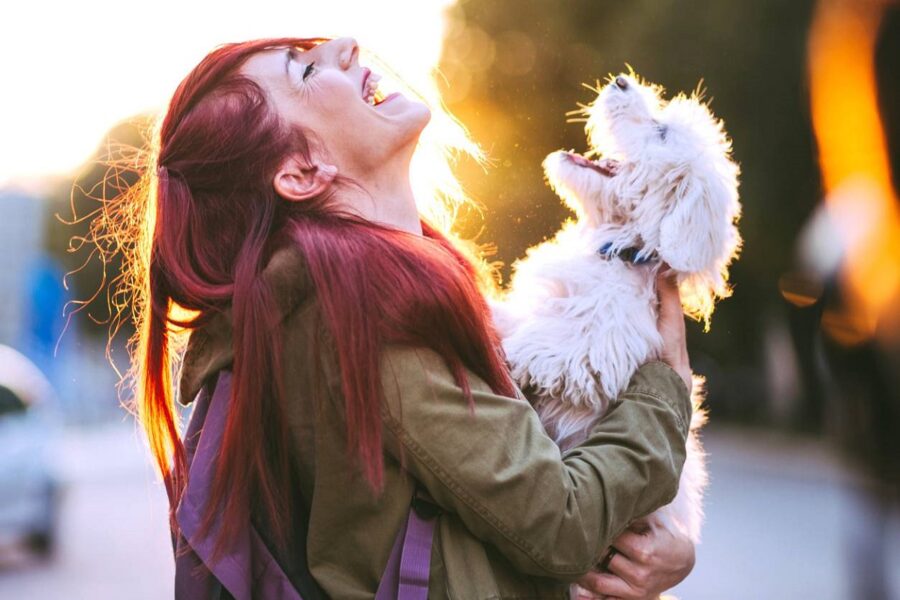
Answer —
(211, 348)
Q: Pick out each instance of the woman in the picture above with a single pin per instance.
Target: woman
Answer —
(361, 359)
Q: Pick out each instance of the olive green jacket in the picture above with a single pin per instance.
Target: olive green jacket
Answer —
(520, 519)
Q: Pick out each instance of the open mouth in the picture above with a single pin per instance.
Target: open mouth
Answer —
(370, 92)
(601, 166)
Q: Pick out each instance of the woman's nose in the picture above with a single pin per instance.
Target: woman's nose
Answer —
(347, 51)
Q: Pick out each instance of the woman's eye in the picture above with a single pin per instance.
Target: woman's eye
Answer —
(308, 70)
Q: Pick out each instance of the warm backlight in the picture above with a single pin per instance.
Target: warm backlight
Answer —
(856, 175)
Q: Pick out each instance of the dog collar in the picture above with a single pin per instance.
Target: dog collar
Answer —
(629, 254)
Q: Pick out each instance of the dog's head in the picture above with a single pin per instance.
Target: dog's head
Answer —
(675, 187)
(625, 118)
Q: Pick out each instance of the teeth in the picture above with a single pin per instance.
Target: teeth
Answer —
(371, 89)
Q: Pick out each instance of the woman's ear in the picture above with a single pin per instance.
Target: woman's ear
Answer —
(297, 180)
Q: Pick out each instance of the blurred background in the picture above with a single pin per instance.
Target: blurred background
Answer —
(803, 362)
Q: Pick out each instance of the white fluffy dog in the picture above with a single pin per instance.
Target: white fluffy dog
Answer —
(580, 315)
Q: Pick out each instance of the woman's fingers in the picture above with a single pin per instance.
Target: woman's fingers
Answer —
(670, 324)
(608, 585)
(653, 560)
(624, 568)
(641, 525)
(670, 313)
(632, 563)
(633, 545)
(582, 593)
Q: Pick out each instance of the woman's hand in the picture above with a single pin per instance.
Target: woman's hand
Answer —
(648, 559)
(671, 325)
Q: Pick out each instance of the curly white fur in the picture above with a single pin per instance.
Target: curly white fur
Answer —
(576, 325)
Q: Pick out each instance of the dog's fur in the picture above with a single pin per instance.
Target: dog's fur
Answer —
(576, 325)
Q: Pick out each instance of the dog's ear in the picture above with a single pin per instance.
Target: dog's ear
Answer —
(695, 233)
(698, 237)
(698, 234)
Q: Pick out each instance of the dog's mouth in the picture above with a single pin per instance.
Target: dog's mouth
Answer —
(604, 167)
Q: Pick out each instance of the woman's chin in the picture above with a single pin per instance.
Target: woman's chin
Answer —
(400, 108)
(413, 119)
(425, 111)
(423, 114)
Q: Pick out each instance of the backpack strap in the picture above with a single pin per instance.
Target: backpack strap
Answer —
(249, 569)
(409, 565)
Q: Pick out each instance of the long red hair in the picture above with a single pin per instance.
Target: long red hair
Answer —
(214, 221)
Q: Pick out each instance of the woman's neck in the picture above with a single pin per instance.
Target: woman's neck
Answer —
(387, 197)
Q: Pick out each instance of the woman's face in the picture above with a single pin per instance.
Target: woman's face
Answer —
(324, 90)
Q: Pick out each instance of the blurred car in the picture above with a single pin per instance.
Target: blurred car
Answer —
(29, 485)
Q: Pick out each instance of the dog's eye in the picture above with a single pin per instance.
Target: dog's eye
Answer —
(663, 131)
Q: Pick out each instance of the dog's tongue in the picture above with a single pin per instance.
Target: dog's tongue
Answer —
(583, 162)
(580, 160)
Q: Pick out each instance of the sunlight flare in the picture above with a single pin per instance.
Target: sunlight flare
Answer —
(856, 173)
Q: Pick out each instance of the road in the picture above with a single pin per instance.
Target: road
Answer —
(777, 510)
(113, 537)
(779, 515)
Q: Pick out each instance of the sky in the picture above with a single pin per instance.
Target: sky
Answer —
(72, 70)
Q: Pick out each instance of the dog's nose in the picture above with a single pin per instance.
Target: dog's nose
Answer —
(622, 83)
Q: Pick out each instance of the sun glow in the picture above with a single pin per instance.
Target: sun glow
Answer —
(68, 76)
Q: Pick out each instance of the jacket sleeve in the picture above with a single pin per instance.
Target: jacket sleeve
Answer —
(494, 465)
